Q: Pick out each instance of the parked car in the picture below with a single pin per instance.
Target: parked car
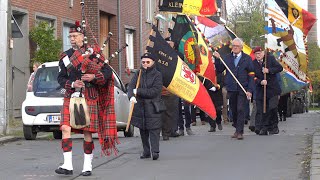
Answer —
(43, 103)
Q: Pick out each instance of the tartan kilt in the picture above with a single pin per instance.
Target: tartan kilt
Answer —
(93, 112)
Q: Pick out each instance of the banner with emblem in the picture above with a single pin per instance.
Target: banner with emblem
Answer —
(297, 16)
(190, 7)
(286, 39)
(184, 39)
(177, 77)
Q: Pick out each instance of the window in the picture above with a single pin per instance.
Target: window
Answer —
(150, 8)
(130, 48)
(65, 34)
(43, 19)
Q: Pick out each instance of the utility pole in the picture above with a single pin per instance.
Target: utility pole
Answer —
(3, 64)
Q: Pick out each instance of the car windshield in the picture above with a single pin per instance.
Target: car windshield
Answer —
(45, 83)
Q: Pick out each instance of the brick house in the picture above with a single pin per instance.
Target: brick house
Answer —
(125, 19)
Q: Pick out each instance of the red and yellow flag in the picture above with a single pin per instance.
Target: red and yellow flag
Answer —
(297, 16)
(177, 77)
(190, 7)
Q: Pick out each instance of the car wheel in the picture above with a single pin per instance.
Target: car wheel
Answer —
(29, 133)
(130, 132)
(57, 134)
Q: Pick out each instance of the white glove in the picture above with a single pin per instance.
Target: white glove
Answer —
(133, 99)
(135, 91)
(213, 89)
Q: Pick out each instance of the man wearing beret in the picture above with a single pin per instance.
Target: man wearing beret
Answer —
(266, 64)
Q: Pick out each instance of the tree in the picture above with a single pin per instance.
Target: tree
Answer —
(247, 21)
(48, 47)
(314, 56)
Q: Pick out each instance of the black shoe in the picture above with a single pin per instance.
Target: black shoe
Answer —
(86, 173)
(257, 131)
(284, 118)
(145, 156)
(274, 131)
(165, 138)
(252, 128)
(212, 129)
(263, 132)
(174, 134)
(155, 156)
(220, 127)
(64, 171)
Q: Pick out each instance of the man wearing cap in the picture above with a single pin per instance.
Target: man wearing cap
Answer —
(266, 64)
(97, 89)
(144, 116)
(241, 66)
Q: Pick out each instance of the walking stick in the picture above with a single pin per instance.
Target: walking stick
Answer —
(265, 86)
(132, 104)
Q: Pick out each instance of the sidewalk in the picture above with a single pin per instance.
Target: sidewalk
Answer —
(315, 157)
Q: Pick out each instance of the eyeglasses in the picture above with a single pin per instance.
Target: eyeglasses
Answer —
(73, 36)
(145, 62)
(236, 45)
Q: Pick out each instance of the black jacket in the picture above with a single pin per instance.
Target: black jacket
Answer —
(273, 86)
(144, 115)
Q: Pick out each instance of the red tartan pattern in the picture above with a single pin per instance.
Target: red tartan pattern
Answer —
(104, 122)
(93, 112)
(88, 147)
(66, 145)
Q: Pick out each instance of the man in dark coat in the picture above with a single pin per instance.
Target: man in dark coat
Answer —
(144, 114)
(241, 66)
(266, 122)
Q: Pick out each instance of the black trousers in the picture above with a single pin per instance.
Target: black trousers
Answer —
(188, 113)
(152, 135)
(238, 102)
(218, 119)
(269, 120)
(170, 116)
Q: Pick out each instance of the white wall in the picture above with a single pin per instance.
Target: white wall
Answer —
(3, 61)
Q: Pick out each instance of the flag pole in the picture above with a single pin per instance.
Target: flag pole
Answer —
(234, 77)
(132, 103)
(265, 86)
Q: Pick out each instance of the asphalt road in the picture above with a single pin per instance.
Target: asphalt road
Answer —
(202, 156)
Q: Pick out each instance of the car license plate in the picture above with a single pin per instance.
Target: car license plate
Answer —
(53, 118)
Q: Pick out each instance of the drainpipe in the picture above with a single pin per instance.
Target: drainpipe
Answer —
(119, 39)
(140, 31)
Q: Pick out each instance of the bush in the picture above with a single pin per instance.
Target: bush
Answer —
(48, 47)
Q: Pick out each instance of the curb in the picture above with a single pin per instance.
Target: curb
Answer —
(6, 139)
(315, 157)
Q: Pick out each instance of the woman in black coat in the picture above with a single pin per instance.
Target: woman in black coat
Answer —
(144, 114)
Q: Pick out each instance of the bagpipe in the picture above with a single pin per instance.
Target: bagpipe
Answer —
(91, 59)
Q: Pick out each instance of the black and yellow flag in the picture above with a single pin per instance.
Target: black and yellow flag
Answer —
(177, 77)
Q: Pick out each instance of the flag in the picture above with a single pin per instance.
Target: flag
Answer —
(177, 77)
(287, 39)
(206, 65)
(289, 82)
(190, 7)
(196, 52)
(216, 34)
(297, 16)
(184, 39)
